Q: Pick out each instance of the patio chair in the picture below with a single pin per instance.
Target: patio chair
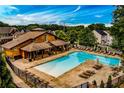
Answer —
(87, 74)
(97, 67)
(91, 49)
(97, 50)
(114, 74)
(105, 52)
(79, 47)
(113, 54)
(86, 48)
(91, 72)
(83, 48)
(83, 76)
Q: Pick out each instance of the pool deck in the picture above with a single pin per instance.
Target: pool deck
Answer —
(70, 78)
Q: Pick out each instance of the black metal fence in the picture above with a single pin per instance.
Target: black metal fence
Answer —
(29, 78)
(35, 81)
(84, 85)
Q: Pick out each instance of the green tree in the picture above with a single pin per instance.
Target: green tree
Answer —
(117, 29)
(73, 36)
(87, 38)
(20, 27)
(97, 27)
(3, 24)
(109, 82)
(61, 34)
(32, 26)
(94, 83)
(102, 85)
(5, 77)
(53, 27)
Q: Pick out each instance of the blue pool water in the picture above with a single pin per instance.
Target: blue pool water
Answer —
(63, 64)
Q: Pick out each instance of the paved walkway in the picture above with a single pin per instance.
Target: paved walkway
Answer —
(19, 82)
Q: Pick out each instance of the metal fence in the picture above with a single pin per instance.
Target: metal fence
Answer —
(34, 80)
(31, 79)
(118, 80)
(84, 85)
(115, 81)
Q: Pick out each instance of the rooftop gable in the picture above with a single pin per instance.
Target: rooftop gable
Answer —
(101, 32)
(36, 46)
(6, 29)
(22, 38)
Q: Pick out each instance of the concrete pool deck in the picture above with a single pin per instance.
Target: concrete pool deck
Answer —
(24, 63)
(70, 78)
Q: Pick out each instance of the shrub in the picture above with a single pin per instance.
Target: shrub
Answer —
(102, 84)
(109, 82)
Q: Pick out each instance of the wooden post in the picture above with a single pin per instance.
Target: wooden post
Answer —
(42, 53)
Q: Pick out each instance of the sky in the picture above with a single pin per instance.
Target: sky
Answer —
(56, 14)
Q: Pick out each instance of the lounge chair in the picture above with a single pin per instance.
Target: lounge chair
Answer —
(87, 74)
(81, 48)
(113, 54)
(84, 76)
(114, 68)
(97, 50)
(97, 67)
(114, 74)
(87, 49)
(109, 53)
(105, 52)
(74, 46)
(91, 72)
(91, 49)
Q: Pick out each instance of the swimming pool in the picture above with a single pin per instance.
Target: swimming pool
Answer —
(63, 64)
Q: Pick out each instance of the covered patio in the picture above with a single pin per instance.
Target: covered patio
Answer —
(35, 50)
(60, 45)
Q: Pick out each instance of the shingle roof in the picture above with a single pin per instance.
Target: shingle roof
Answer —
(36, 46)
(58, 42)
(6, 29)
(101, 32)
(21, 39)
(7, 37)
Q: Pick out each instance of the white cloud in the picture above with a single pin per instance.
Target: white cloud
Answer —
(77, 9)
(108, 25)
(7, 9)
(12, 7)
(69, 24)
(44, 17)
(41, 18)
(98, 16)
